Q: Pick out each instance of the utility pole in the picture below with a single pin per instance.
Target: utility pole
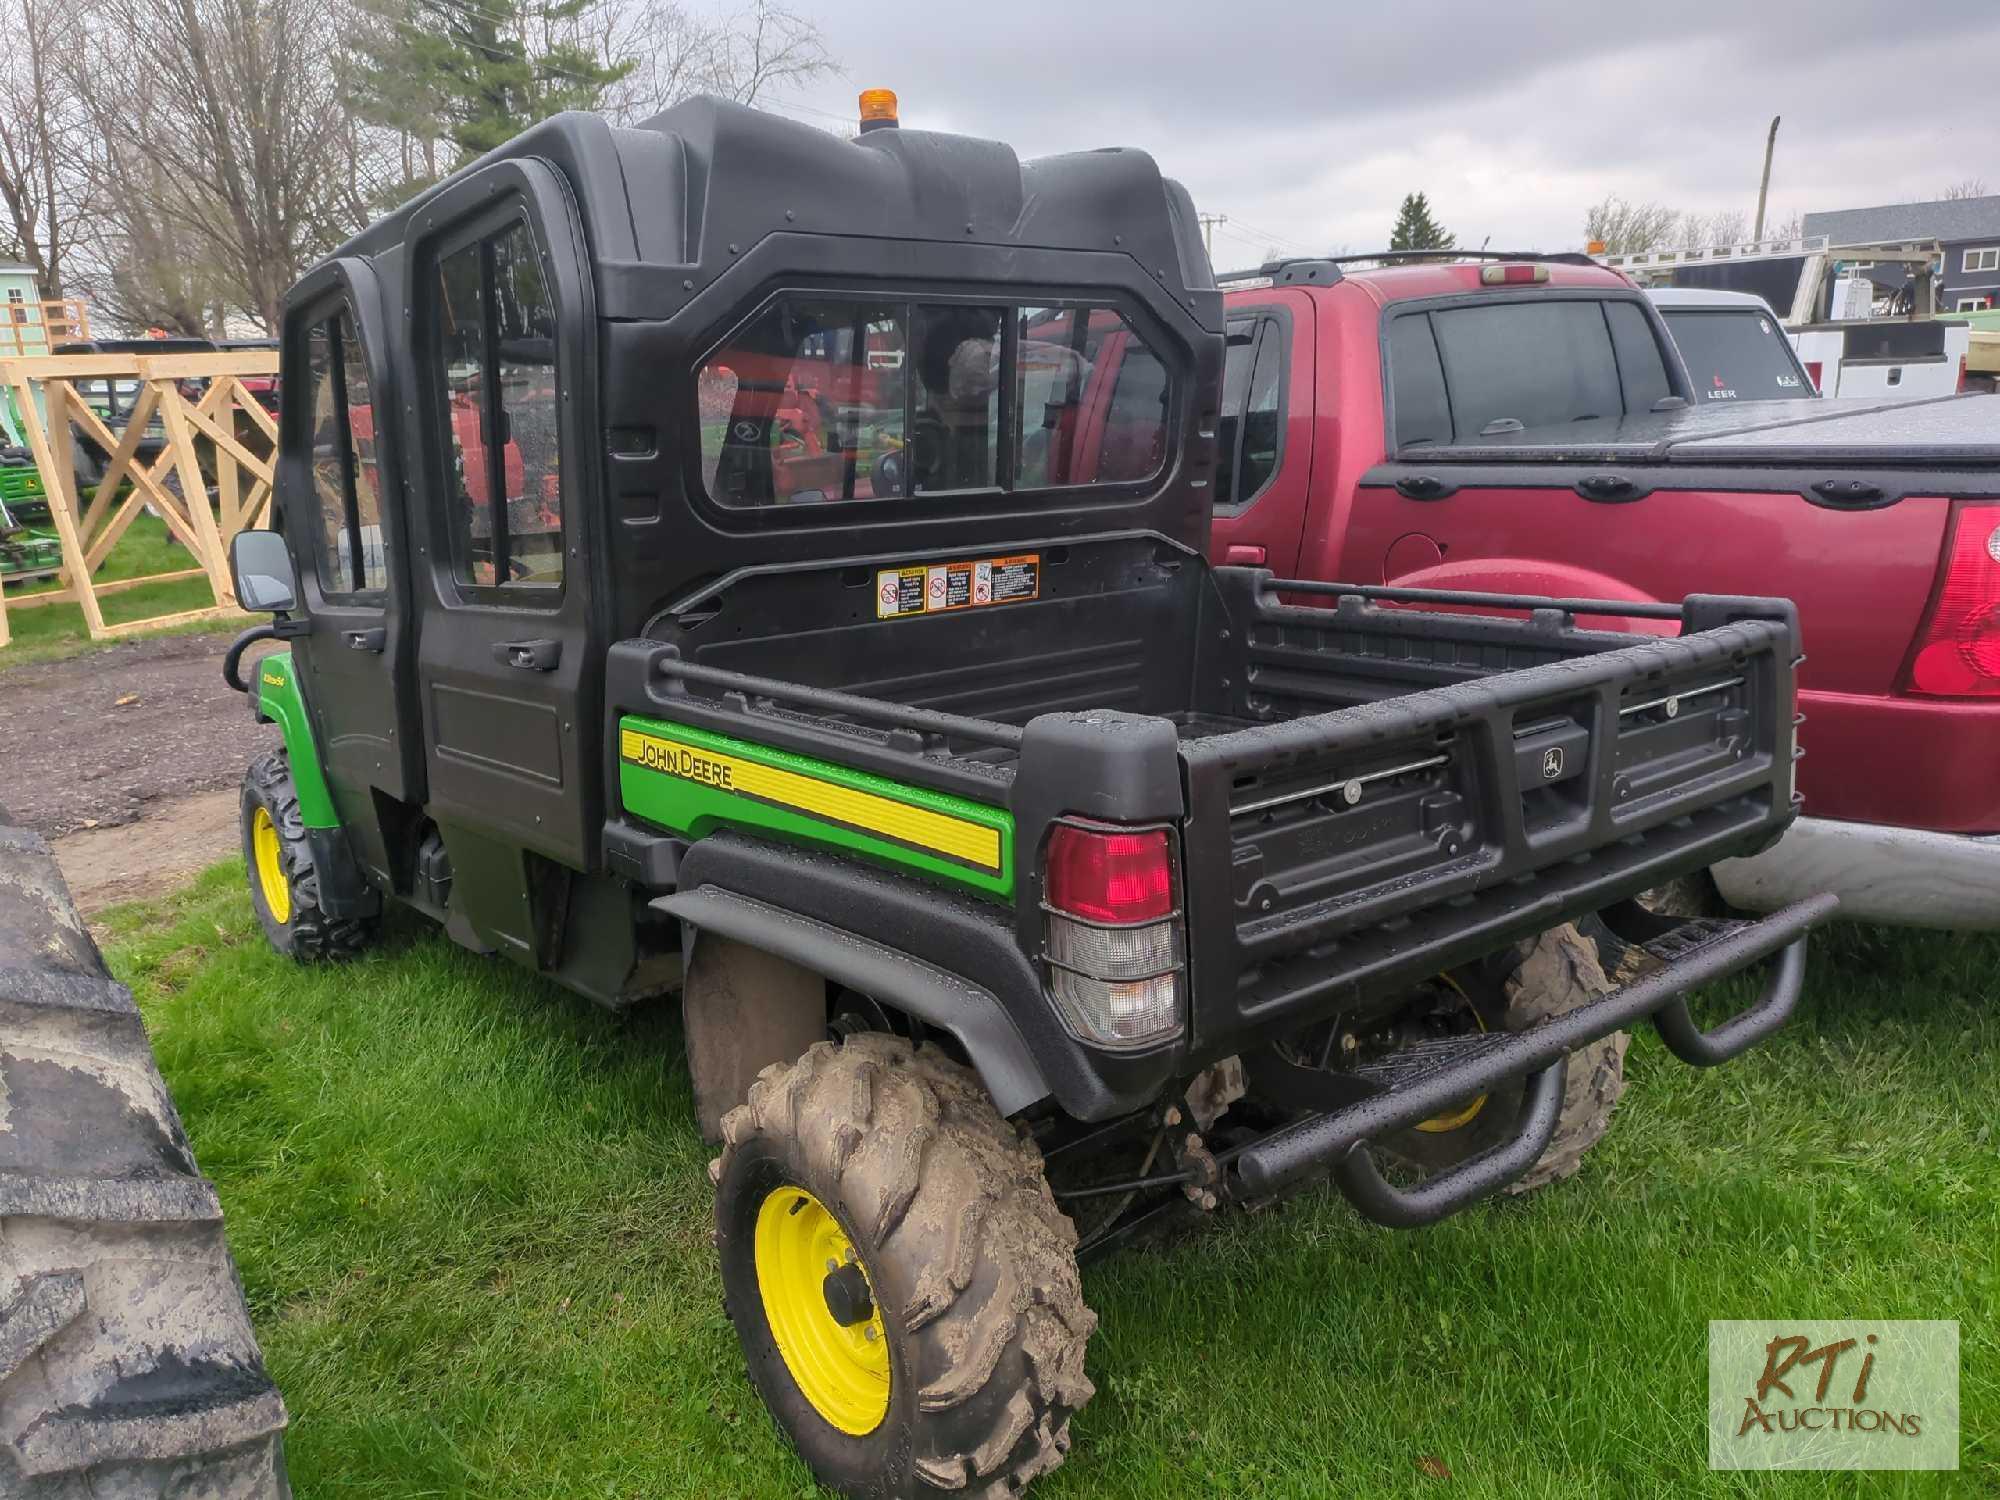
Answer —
(1208, 223)
(1764, 187)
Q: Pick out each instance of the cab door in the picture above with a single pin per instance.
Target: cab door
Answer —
(341, 505)
(1264, 435)
(508, 659)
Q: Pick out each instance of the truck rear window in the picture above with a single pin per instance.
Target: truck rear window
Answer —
(1736, 356)
(825, 399)
(1460, 373)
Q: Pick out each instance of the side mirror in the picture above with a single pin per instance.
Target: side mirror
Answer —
(262, 571)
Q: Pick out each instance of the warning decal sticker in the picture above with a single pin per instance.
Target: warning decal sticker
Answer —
(957, 585)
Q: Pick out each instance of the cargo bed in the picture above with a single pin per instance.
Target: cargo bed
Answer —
(1369, 787)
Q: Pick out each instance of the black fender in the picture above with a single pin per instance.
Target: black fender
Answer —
(947, 1001)
(953, 961)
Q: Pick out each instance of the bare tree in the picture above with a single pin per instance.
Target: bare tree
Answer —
(1626, 228)
(222, 141)
(1967, 187)
(41, 138)
(677, 53)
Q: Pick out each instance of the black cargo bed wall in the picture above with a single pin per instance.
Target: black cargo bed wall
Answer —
(1115, 626)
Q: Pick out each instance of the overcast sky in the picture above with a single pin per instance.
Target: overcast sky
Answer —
(1306, 123)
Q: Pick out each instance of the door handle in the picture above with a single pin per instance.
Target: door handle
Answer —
(1610, 489)
(366, 640)
(1237, 555)
(530, 656)
(1425, 487)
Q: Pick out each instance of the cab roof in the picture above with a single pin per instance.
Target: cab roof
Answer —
(694, 189)
(1431, 278)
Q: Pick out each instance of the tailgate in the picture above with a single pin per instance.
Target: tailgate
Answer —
(1338, 856)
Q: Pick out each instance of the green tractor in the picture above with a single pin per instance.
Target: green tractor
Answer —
(28, 553)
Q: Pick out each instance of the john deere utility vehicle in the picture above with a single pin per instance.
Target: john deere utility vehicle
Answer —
(724, 559)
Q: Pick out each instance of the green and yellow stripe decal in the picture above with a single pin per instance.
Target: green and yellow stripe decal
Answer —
(693, 781)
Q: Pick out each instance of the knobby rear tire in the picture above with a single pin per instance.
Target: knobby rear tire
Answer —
(972, 1263)
(1558, 971)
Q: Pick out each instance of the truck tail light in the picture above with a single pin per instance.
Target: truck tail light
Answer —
(1964, 376)
(1958, 649)
(1114, 937)
(1813, 368)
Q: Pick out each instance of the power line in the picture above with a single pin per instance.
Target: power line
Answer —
(1280, 240)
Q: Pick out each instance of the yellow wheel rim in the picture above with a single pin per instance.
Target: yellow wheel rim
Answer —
(842, 1371)
(269, 851)
(1457, 1119)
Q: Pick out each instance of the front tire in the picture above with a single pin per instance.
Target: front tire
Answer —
(878, 1157)
(1558, 972)
(284, 883)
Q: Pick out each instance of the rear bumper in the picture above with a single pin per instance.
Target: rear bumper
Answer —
(1930, 763)
(1909, 876)
(1698, 954)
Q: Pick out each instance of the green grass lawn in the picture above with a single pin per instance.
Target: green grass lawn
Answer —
(56, 630)
(472, 1218)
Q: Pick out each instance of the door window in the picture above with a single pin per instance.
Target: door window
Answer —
(1251, 424)
(351, 548)
(496, 375)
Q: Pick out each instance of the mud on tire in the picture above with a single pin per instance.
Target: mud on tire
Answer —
(127, 1362)
(305, 932)
(1558, 971)
(972, 1266)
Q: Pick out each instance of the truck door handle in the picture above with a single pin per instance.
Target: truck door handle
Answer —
(366, 640)
(1425, 487)
(1608, 487)
(1237, 555)
(530, 656)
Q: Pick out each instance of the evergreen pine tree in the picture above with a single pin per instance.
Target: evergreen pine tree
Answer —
(1417, 230)
(466, 64)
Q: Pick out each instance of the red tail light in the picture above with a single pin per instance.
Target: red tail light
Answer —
(1813, 367)
(1963, 375)
(1110, 875)
(1115, 940)
(1958, 651)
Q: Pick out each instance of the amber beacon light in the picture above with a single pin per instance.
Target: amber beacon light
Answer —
(878, 109)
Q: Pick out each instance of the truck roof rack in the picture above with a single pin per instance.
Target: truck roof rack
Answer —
(1303, 267)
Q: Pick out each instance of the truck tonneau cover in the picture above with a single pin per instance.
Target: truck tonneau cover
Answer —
(1951, 432)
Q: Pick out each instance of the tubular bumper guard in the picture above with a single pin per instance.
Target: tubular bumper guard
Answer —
(1693, 955)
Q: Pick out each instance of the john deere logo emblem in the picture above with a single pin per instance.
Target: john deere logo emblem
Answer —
(1552, 763)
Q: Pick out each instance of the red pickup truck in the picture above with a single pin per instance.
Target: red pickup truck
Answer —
(1523, 424)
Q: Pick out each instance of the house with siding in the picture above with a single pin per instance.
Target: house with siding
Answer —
(1967, 228)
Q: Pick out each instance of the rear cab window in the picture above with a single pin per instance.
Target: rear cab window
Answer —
(826, 399)
(1736, 355)
(1485, 368)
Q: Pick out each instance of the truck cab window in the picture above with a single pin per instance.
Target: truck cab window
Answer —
(955, 415)
(820, 399)
(1416, 383)
(350, 552)
(497, 370)
(806, 404)
(1539, 363)
(1092, 399)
